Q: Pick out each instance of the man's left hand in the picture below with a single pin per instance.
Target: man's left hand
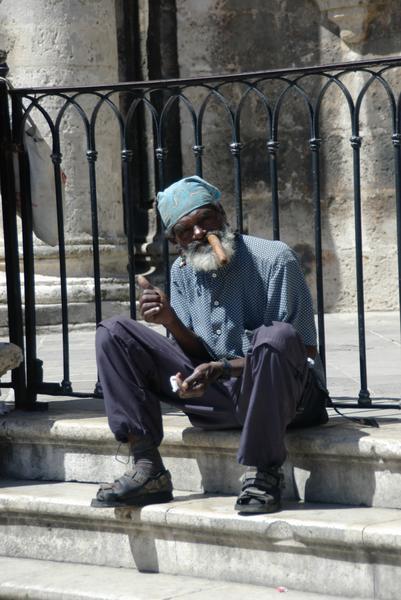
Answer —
(195, 385)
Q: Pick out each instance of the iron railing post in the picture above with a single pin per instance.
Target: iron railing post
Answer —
(235, 149)
(314, 144)
(34, 374)
(7, 186)
(364, 396)
(272, 148)
(161, 155)
(396, 138)
(127, 156)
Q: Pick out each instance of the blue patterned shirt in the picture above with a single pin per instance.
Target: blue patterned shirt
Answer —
(262, 283)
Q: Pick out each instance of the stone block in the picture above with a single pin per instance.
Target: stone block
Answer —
(24, 579)
(346, 464)
(347, 549)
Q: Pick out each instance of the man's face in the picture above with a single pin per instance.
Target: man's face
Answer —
(194, 226)
(191, 234)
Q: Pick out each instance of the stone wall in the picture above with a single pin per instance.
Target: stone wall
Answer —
(231, 36)
(60, 42)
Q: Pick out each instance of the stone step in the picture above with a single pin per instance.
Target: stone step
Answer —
(341, 462)
(28, 579)
(326, 549)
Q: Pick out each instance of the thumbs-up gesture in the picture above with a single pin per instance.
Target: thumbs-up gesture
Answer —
(153, 303)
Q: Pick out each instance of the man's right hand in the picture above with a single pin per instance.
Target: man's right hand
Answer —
(155, 308)
(153, 304)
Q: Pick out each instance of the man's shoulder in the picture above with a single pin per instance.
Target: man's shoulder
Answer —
(181, 273)
(273, 251)
(176, 269)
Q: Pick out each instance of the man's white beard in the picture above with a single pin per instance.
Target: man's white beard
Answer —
(201, 256)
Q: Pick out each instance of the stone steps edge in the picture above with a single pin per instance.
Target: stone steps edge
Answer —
(327, 441)
(379, 529)
(32, 579)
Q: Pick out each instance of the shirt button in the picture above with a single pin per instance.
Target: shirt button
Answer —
(216, 302)
(218, 331)
(214, 274)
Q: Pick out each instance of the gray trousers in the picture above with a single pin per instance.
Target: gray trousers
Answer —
(135, 364)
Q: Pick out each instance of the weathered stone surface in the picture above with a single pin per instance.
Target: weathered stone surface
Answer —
(10, 357)
(351, 16)
(212, 39)
(215, 37)
(53, 43)
(83, 312)
(340, 462)
(29, 579)
(205, 537)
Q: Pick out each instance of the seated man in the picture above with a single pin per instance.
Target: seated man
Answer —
(242, 329)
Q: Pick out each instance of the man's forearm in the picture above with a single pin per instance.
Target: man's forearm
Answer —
(237, 366)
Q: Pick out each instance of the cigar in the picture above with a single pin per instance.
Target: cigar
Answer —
(217, 248)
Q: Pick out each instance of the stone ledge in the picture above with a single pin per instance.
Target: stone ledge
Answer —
(29, 579)
(78, 313)
(204, 514)
(89, 426)
(339, 462)
(350, 551)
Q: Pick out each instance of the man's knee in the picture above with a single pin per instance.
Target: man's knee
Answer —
(116, 322)
(281, 338)
(278, 335)
(103, 340)
(110, 331)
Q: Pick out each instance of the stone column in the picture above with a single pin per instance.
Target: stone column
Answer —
(61, 43)
(355, 30)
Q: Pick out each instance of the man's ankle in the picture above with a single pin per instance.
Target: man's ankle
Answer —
(146, 455)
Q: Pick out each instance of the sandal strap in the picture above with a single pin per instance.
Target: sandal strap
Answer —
(262, 480)
(252, 494)
(130, 476)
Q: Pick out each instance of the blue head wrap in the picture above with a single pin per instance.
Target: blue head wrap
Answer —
(184, 196)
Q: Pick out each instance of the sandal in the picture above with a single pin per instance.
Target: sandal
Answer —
(135, 488)
(261, 491)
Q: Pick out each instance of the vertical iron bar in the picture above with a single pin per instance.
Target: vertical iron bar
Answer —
(91, 156)
(364, 396)
(28, 254)
(126, 157)
(14, 302)
(235, 149)
(161, 154)
(198, 151)
(272, 147)
(397, 172)
(314, 144)
(56, 157)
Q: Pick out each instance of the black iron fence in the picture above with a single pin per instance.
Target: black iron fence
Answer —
(215, 117)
